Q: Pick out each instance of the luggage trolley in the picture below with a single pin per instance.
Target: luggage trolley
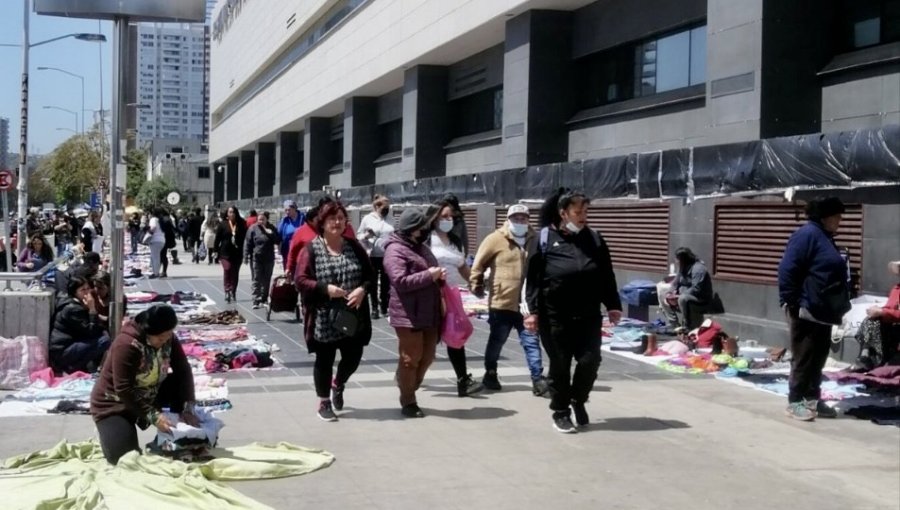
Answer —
(283, 297)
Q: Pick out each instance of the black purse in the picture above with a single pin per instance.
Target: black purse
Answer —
(345, 320)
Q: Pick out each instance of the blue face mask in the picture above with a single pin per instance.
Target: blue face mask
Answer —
(445, 226)
(518, 229)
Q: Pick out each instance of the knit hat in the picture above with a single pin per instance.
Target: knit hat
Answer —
(820, 209)
(410, 220)
(517, 209)
(157, 319)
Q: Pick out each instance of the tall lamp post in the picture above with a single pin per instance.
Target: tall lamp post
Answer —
(23, 134)
(65, 110)
(67, 129)
(42, 68)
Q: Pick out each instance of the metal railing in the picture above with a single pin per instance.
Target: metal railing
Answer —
(33, 276)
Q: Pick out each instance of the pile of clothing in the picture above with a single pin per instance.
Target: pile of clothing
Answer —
(183, 439)
(221, 348)
(185, 304)
(228, 317)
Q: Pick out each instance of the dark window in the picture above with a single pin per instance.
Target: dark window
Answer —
(870, 23)
(660, 64)
(337, 151)
(390, 137)
(476, 113)
(203, 172)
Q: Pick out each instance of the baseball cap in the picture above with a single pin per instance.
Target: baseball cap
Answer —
(517, 209)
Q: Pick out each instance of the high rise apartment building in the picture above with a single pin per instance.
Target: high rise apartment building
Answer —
(4, 142)
(173, 81)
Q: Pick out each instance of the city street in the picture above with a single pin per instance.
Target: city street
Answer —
(655, 439)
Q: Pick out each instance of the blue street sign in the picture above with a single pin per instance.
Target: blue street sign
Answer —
(95, 200)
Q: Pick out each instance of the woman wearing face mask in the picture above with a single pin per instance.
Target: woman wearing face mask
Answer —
(415, 309)
(570, 275)
(448, 251)
(373, 231)
(145, 372)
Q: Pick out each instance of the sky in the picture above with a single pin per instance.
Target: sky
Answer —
(51, 88)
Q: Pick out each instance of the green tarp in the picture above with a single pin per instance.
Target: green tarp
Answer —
(75, 476)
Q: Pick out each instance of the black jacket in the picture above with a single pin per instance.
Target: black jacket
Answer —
(571, 277)
(231, 247)
(261, 244)
(194, 224)
(72, 323)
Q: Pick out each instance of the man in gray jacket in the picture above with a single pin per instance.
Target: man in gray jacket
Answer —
(259, 248)
(692, 294)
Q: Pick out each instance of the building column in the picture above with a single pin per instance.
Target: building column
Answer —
(287, 162)
(316, 147)
(425, 124)
(265, 169)
(232, 187)
(247, 183)
(361, 138)
(537, 89)
(218, 182)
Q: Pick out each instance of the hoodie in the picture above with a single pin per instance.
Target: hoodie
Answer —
(132, 375)
(415, 296)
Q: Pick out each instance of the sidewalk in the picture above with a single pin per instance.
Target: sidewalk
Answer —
(656, 440)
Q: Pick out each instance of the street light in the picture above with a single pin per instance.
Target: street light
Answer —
(42, 68)
(66, 129)
(23, 131)
(64, 110)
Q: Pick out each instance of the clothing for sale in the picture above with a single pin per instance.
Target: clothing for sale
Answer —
(71, 407)
(227, 317)
(142, 482)
(506, 260)
(878, 415)
(207, 431)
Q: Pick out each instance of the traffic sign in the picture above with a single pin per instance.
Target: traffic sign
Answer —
(95, 200)
(6, 180)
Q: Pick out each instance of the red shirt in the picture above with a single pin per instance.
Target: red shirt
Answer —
(891, 310)
(302, 237)
(251, 221)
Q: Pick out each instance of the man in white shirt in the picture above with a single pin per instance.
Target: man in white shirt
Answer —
(374, 229)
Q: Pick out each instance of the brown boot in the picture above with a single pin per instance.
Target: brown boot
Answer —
(651, 344)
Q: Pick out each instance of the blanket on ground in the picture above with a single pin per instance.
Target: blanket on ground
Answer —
(75, 476)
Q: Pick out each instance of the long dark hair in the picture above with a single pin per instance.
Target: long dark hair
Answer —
(433, 213)
(46, 253)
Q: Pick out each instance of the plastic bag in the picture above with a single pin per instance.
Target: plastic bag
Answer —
(19, 357)
(457, 328)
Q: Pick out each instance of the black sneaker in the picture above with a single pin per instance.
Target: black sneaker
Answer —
(375, 315)
(491, 381)
(412, 411)
(581, 415)
(467, 385)
(326, 412)
(337, 396)
(540, 387)
(563, 423)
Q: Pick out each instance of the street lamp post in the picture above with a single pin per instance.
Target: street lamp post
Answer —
(23, 134)
(42, 68)
(67, 129)
(65, 110)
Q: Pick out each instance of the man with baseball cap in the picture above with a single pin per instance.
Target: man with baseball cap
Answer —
(504, 252)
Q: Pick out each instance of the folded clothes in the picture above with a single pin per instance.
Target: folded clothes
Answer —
(226, 317)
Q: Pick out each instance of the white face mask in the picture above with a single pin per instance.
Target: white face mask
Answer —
(573, 228)
(518, 229)
(445, 226)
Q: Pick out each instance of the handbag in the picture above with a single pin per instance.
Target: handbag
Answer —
(345, 320)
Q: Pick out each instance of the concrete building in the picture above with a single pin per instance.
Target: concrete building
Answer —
(173, 80)
(186, 164)
(700, 123)
(4, 143)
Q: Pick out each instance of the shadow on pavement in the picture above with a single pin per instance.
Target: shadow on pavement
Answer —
(393, 414)
(637, 424)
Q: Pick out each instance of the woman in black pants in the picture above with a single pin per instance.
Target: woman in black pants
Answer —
(146, 371)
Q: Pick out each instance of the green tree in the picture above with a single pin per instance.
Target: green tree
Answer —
(153, 193)
(136, 160)
(76, 166)
(40, 189)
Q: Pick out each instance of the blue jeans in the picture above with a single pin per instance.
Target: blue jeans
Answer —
(84, 356)
(502, 323)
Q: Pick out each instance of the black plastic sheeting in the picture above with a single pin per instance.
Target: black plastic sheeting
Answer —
(852, 158)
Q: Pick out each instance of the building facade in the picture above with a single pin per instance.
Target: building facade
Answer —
(173, 81)
(701, 123)
(186, 164)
